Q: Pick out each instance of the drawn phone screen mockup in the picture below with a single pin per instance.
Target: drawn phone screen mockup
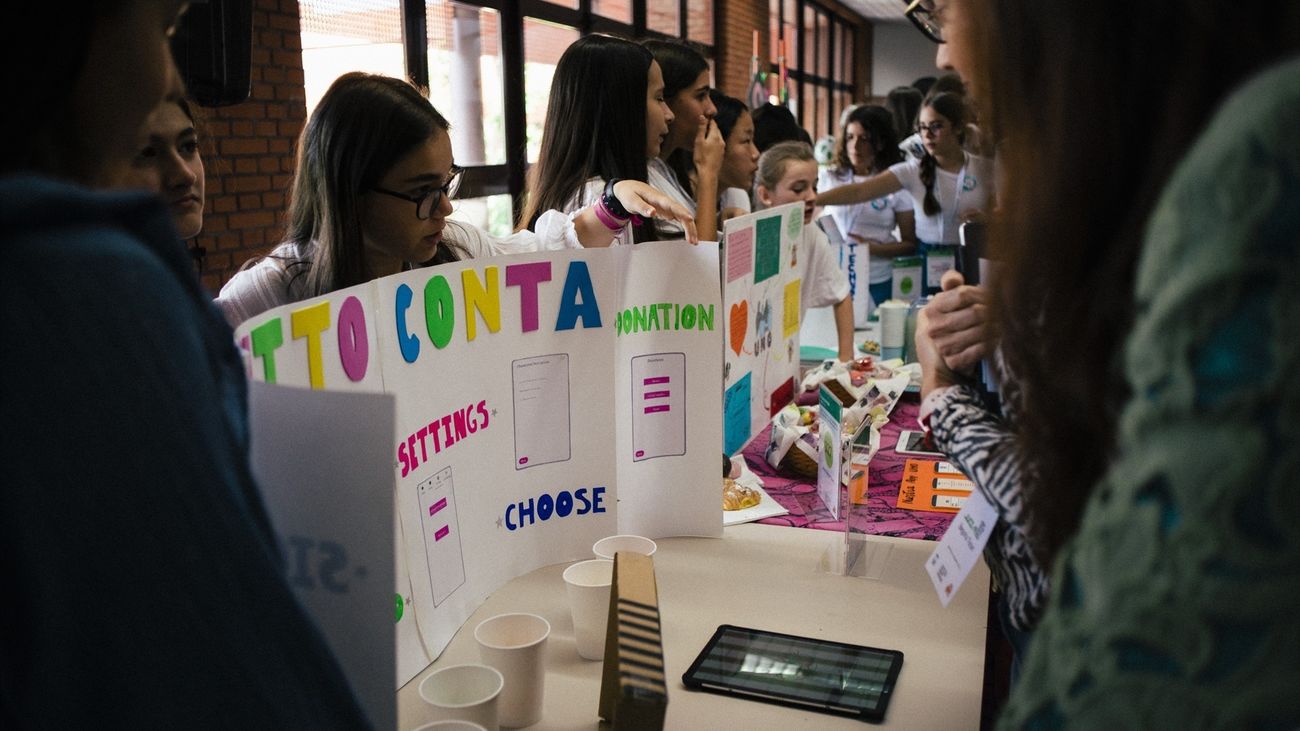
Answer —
(441, 533)
(658, 405)
(541, 401)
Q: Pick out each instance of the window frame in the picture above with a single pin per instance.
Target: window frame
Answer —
(803, 72)
(510, 178)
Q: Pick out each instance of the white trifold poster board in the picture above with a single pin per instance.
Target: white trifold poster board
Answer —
(338, 560)
(541, 403)
(760, 296)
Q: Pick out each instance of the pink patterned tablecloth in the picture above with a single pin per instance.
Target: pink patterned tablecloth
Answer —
(882, 515)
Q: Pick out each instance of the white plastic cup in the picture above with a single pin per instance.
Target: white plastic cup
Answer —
(588, 584)
(450, 726)
(893, 322)
(607, 547)
(515, 645)
(463, 693)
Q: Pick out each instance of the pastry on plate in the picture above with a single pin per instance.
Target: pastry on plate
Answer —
(738, 497)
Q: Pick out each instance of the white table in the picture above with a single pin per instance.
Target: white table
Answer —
(766, 577)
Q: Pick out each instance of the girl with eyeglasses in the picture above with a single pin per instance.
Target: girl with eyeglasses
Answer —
(948, 186)
(371, 196)
(868, 146)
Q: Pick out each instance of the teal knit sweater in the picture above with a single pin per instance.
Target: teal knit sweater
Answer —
(1177, 605)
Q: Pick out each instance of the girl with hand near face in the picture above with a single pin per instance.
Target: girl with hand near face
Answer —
(867, 146)
(740, 159)
(606, 118)
(688, 163)
(948, 186)
(787, 173)
(371, 196)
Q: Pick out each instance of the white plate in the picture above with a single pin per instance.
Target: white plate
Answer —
(767, 507)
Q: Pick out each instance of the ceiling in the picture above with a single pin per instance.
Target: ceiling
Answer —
(877, 10)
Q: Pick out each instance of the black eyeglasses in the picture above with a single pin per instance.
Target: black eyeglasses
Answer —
(933, 128)
(925, 16)
(427, 201)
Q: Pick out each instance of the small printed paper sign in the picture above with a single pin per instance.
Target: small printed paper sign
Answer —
(960, 547)
(934, 486)
(830, 451)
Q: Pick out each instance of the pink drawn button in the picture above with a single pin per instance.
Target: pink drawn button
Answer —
(654, 380)
(658, 394)
(523, 460)
(441, 533)
(656, 409)
(437, 506)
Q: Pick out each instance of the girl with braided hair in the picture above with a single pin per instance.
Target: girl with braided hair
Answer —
(948, 185)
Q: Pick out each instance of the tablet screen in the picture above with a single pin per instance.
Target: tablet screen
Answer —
(829, 676)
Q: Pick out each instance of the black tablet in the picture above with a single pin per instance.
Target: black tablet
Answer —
(832, 677)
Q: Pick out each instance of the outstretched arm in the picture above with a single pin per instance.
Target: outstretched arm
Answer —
(868, 190)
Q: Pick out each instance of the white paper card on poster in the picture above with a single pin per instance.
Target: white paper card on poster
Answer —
(658, 405)
(829, 452)
(541, 400)
(451, 343)
(661, 496)
(322, 461)
(961, 546)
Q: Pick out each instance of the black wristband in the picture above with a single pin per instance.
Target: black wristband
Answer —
(611, 202)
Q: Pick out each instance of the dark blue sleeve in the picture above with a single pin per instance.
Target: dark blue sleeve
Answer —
(142, 583)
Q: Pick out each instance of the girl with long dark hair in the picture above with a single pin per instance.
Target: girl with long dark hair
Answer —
(606, 117)
(1154, 349)
(948, 186)
(689, 160)
(867, 146)
(371, 197)
(740, 158)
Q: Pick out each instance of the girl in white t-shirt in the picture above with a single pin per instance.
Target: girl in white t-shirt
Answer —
(372, 195)
(787, 173)
(740, 158)
(868, 146)
(948, 185)
(687, 164)
(607, 117)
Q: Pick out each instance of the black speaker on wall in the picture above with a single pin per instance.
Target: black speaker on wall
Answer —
(213, 48)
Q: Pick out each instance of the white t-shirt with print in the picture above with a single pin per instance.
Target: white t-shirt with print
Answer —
(977, 190)
(874, 220)
(823, 283)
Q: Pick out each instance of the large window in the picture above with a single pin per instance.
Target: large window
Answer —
(487, 67)
(339, 36)
(818, 56)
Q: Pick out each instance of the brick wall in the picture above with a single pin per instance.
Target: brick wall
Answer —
(250, 146)
(250, 152)
(737, 20)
